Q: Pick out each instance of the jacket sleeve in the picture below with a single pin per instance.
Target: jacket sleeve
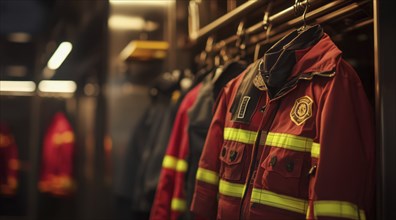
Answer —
(168, 203)
(342, 186)
(204, 203)
(161, 208)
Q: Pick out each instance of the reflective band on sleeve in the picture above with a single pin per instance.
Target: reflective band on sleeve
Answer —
(293, 142)
(173, 163)
(240, 135)
(169, 162)
(178, 205)
(339, 209)
(207, 176)
(231, 189)
(269, 198)
(308, 213)
(181, 166)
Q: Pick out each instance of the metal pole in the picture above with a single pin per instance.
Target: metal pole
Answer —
(235, 14)
(385, 106)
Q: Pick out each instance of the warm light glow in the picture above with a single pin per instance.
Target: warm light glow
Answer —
(60, 55)
(145, 50)
(17, 86)
(141, 2)
(58, 86)
(119, 22)
(19, 37)
(16, 70)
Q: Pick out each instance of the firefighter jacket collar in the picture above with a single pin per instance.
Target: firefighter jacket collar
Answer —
(319, 59)
(279, 60)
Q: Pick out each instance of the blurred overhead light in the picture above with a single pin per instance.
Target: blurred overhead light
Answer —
(57, 86)
(141, 2)
(19, 37)
(119, 22)
(126, 22)
(60, 55)
(17, 86)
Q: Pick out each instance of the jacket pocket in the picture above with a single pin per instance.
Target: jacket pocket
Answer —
(231, 157)
(283, 172)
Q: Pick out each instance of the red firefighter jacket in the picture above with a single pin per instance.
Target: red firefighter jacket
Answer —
(305, 152)
(56, 175)
(9, 163)
(169, 201)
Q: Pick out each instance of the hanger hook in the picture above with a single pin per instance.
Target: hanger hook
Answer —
(301, 6)
(209, 44)
(266, 18)
(306, 5)
(267, 27)
(241, 33)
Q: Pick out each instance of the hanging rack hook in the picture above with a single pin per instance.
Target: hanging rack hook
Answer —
(209, 44)
(241, 41)
(205, 54)
(266, 18)
(301, 6)
(240, 33)
(267, 27)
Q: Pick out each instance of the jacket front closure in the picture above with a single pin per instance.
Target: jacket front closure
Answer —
(268, 111)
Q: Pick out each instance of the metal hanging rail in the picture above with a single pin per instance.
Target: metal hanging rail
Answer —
(320, 15)
(287, 18)
(235, 14)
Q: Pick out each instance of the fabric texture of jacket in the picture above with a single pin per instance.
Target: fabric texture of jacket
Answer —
(302, 150)
(9, 162)
(169, 201)
(56, 175)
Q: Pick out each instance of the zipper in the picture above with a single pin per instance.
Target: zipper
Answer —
(253, 161)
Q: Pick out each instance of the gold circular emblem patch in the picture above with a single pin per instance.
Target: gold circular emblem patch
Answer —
(302, 110)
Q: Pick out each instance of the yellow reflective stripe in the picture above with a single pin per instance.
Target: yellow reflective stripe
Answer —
(240, 135)
(308, 212)
(207, 176)
(178, 205)
(289, 141)
(315, 152)
(231, 189)
(281, 140)
(169, 162)
(181, 166)
(269, 198)
(362, 215)
(173, 163)
(293, 142)
(339, 209)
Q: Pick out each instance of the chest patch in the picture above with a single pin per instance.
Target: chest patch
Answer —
(243, 107)
(302, 110)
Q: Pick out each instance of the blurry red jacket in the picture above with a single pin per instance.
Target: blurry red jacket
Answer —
(8, 162)
(169, 201)
(57, 157)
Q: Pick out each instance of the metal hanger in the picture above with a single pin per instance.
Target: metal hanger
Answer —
(241, 41)
(267, 27)
(301, 6)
